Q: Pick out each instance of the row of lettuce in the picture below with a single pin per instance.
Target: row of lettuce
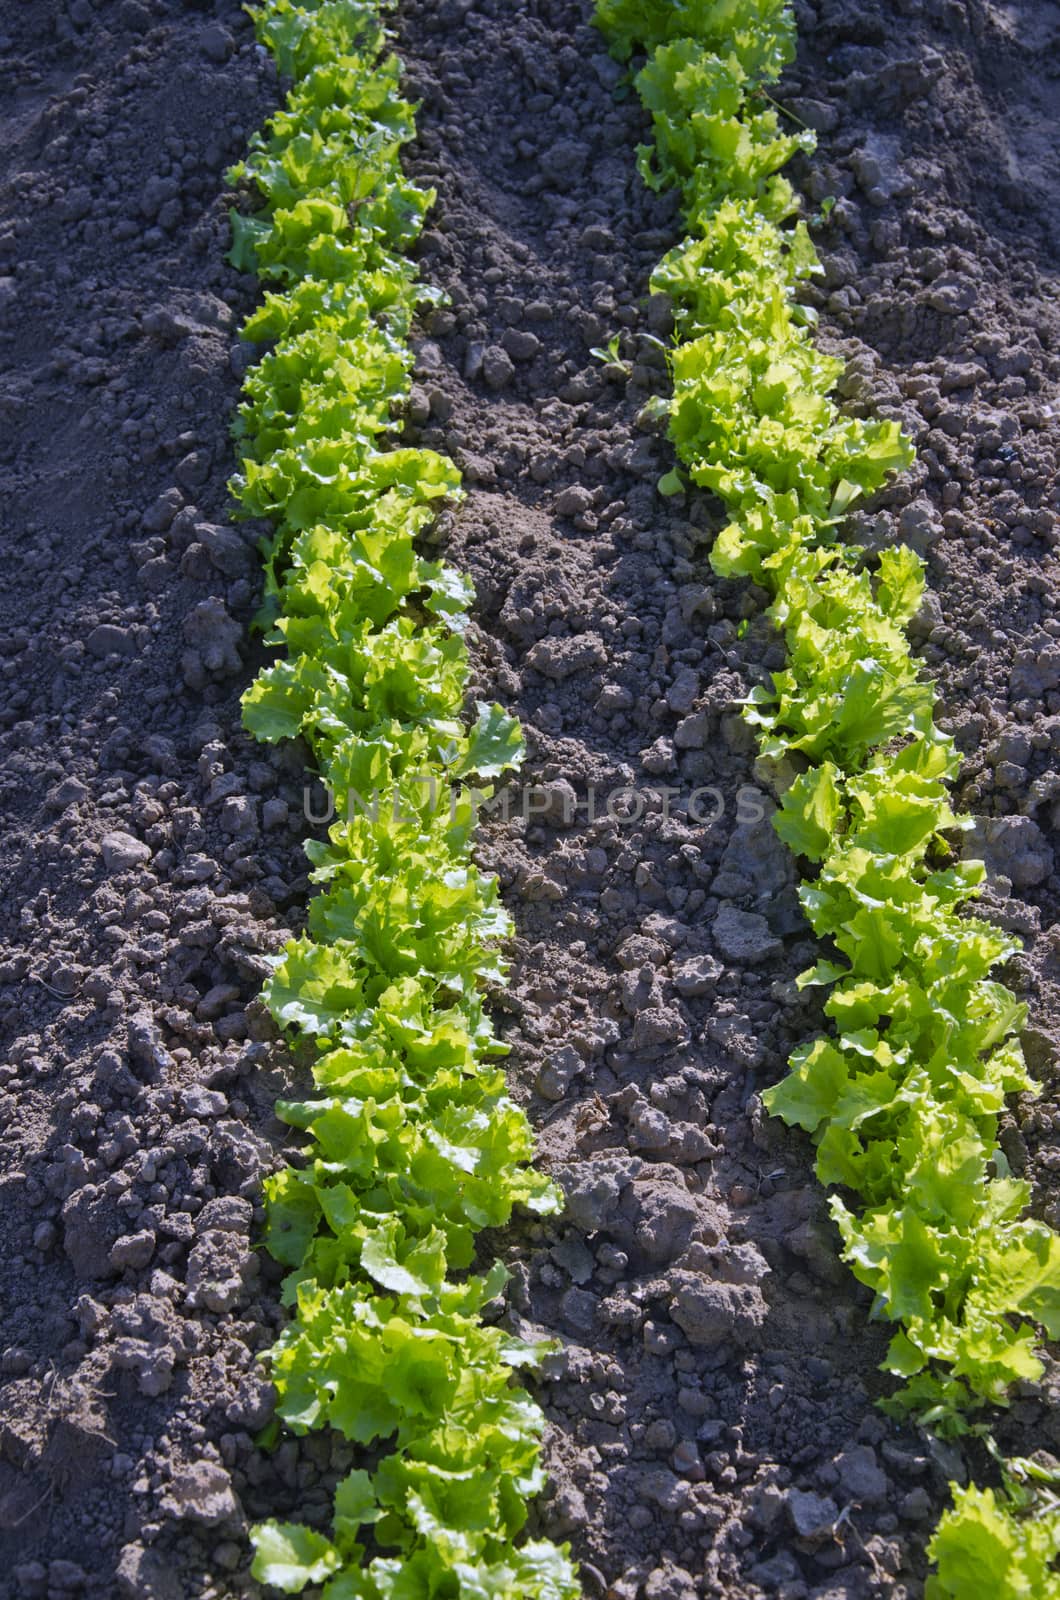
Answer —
(903, 1094)
(413, 1145)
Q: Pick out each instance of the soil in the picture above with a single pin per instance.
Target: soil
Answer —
(713, 1430)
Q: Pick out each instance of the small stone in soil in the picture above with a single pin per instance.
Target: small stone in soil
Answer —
(122, 852)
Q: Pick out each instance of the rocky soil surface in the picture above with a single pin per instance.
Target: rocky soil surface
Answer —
(713, 1431)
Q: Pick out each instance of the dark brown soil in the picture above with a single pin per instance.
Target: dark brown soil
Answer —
(714, 1431)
